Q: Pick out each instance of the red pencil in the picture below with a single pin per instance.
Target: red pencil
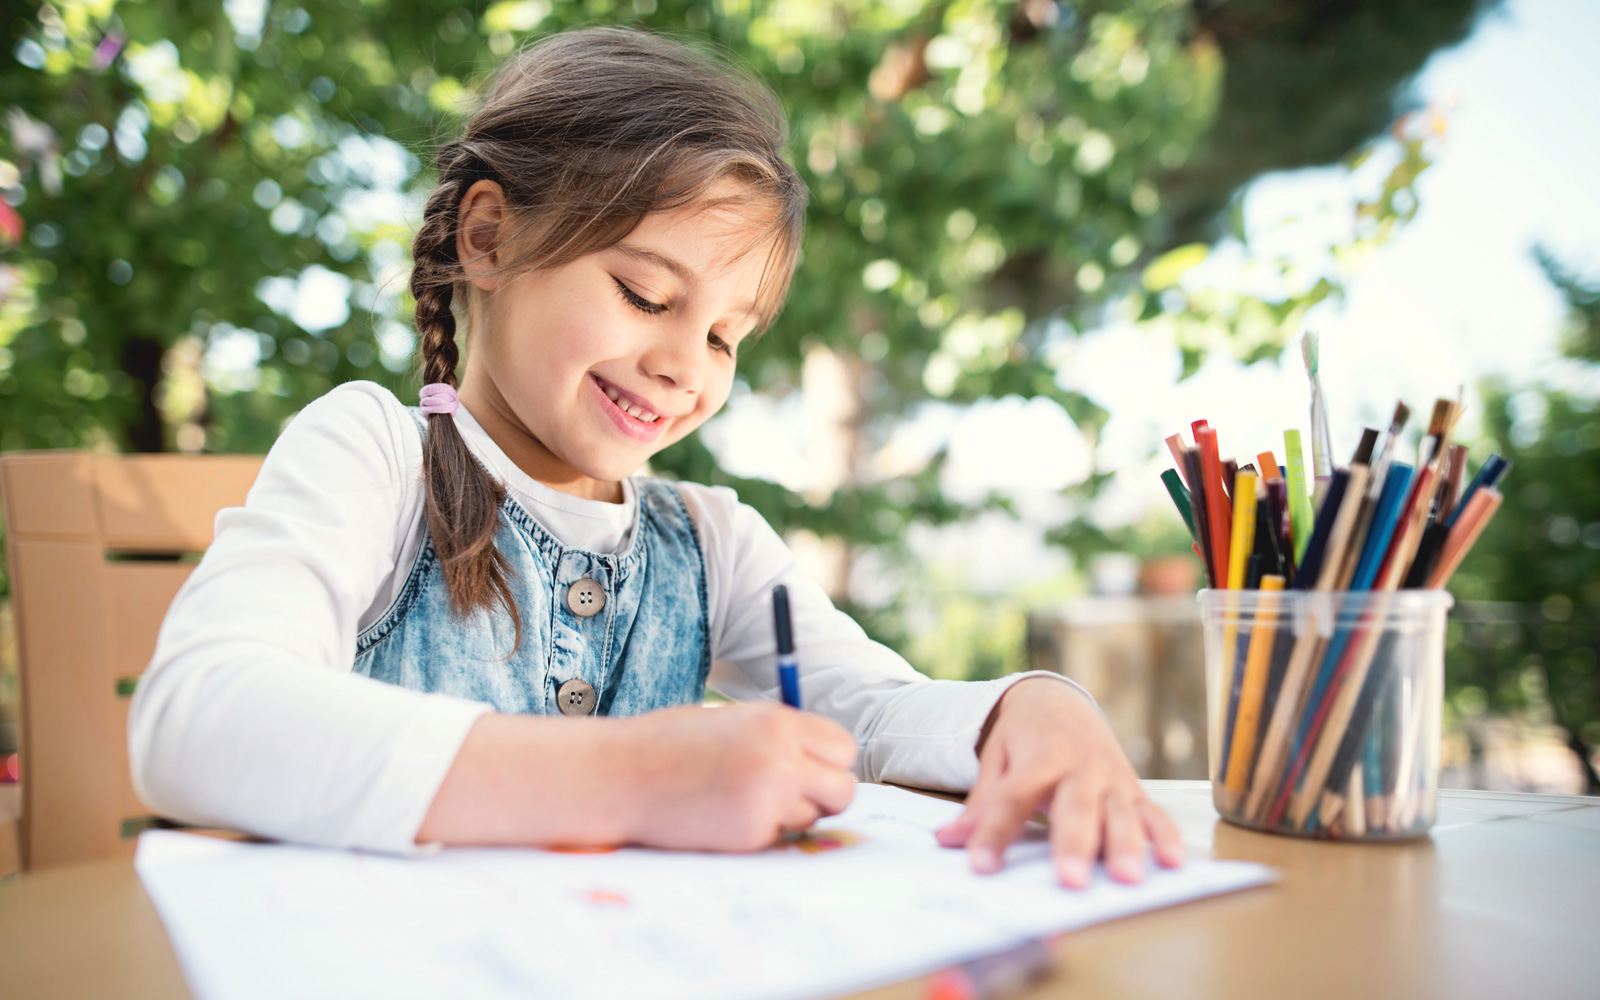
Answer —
(1218, 510)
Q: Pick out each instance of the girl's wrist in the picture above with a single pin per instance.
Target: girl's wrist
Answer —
(534, 780)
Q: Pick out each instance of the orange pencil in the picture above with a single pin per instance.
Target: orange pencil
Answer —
(1465, 534)
(1269, 466)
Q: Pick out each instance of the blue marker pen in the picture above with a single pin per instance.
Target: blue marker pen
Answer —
(788, 666)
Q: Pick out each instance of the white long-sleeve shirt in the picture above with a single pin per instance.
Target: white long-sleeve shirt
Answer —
(250, 716)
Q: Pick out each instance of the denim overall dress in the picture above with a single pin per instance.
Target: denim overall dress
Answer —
(603, 634)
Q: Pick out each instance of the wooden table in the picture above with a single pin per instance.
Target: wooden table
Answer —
(1503, 900)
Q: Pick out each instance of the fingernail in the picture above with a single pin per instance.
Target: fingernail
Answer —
(985, 860)
(1129, 869)
(1074, 872)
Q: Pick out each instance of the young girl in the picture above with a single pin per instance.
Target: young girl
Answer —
(399, 639)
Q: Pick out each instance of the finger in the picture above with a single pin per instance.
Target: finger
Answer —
(1075, 823)
(1125, 842)
(798, 814)
(1163, 833)
(826, 786)
(999, 821)
(956, 832)
(991, 768)
(826, 740)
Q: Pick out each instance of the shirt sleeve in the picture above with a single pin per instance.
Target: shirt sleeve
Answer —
(912, 730)
(248, 715)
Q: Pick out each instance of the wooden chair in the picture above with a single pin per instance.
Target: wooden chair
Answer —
(97, 546)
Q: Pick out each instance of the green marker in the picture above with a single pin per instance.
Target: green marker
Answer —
(1180, 496)
(1299, 504)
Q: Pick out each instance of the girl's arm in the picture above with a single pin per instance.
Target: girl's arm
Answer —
(248, 715)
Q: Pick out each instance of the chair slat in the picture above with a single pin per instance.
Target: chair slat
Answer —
(71, 789)
(137, 597)
(49, 494)
(168, 503)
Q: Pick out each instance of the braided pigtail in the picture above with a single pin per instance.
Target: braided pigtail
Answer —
(462, 500)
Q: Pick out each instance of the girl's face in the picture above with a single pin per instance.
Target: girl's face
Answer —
(582, 372)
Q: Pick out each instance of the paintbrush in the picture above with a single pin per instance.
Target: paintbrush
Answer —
(1321, 437)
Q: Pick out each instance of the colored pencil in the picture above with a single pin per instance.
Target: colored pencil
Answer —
(1489, 474)
(1269, 466)
(1254, 685)
(1180, 498)
(1332, 528)
(1471, 524)
(1219, 511)
(1175, 445)
(1243, 530)
(1299, 504)
(1344, 515)
(1202, 515)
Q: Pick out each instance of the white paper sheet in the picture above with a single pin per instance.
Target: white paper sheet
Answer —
(870, 899)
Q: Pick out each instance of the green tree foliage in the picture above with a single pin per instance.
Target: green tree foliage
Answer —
(1306, 84)
(1543, 548)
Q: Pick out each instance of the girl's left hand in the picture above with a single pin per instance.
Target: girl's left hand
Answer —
(1049, 749)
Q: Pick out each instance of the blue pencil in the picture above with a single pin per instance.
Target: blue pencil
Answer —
(788, 666)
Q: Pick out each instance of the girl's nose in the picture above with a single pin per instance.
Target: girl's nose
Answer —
(676, 359)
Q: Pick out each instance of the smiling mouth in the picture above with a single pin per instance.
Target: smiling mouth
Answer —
(633, 410)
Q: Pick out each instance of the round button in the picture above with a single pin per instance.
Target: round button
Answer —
(575, 697)
(585, 598)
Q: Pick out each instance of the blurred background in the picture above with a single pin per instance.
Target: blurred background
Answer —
(1042, 236)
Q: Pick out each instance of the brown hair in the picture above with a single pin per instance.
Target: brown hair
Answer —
(586, 132)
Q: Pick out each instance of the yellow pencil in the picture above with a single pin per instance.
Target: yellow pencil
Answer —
(1241, 540)
(1243, 537)
(1257, 662)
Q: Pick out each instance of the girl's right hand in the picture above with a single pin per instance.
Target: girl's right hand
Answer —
(730, 778)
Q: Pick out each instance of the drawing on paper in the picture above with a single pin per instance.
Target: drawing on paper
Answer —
(820, 841)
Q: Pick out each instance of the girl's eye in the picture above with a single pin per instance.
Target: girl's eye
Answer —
(718, 344)
(638, 301)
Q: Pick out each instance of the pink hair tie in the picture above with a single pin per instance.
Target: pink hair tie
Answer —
(437, 397)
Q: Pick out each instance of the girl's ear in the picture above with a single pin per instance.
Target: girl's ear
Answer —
(478, 224)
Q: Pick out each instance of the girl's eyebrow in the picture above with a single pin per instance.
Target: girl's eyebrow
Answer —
(679, 270)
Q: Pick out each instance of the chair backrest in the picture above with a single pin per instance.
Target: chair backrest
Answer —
(97, 547)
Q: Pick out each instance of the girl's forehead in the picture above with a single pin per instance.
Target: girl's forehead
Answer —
(709, 237)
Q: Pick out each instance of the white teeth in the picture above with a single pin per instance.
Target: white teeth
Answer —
(630, 409)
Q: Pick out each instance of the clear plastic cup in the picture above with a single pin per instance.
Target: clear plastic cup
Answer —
(1323, 709)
